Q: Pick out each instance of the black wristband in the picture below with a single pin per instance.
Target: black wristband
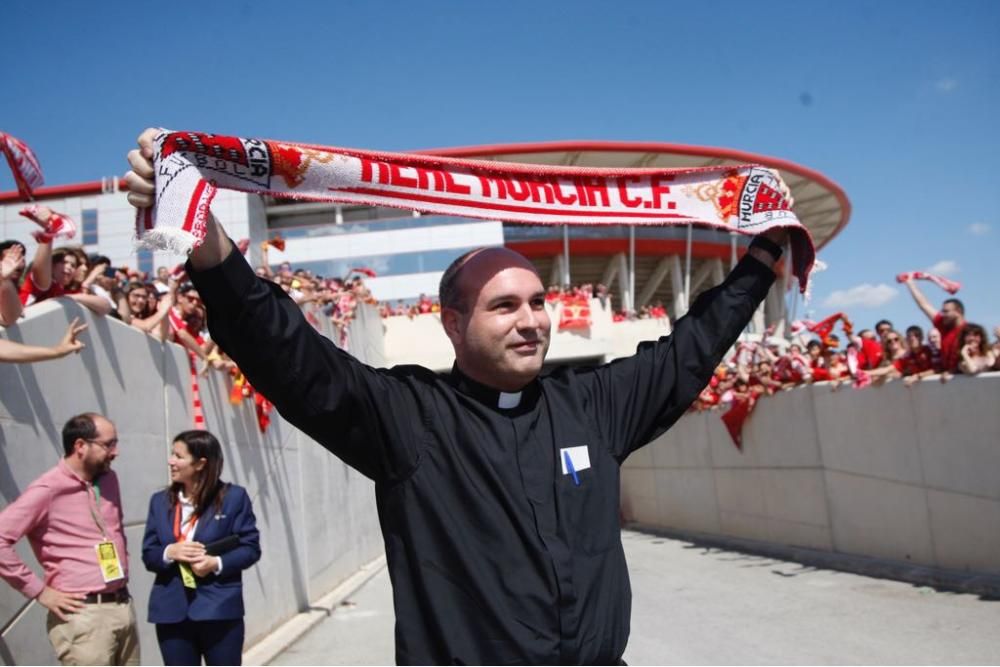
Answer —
(767, 245)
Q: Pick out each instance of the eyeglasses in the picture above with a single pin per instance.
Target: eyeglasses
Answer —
(894, 339)
(109, 445)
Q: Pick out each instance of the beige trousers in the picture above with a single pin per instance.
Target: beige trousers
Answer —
(99, 634)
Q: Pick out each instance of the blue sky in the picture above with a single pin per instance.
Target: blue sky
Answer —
(896, 102)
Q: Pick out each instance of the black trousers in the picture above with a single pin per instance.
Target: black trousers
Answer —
(187, 642)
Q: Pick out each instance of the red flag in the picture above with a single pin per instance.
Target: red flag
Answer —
(734, 418)
(575, 312)
(23, 163)
(277, 243)
(824, 328)
(363, 270)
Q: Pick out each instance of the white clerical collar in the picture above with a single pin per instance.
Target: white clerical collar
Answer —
(507, 401)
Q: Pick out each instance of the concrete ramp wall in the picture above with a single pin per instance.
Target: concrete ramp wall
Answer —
(317, 517)
(906, 474)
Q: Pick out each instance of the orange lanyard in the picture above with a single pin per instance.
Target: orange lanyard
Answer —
(193, 519)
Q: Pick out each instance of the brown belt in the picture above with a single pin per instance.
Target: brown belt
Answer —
(121, 595)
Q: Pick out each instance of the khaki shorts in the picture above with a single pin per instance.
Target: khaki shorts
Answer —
(98, 634)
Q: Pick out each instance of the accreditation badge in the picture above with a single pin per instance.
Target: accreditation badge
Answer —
(187, 576)
(111, 564)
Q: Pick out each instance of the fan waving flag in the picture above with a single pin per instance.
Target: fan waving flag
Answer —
(23, 163)
(191, 166)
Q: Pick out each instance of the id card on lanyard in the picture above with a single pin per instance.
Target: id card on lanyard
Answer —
(107, 553)
(181, 535)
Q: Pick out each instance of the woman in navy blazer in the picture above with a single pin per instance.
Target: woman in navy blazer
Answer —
(197, 598)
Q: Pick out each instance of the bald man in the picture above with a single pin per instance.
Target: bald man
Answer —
(497, 486)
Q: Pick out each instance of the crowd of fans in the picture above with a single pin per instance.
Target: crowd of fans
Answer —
(169, 308)
(873, 357)
(165, 306)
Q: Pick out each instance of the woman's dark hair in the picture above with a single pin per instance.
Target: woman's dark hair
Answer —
(983, 339)
(208, 487)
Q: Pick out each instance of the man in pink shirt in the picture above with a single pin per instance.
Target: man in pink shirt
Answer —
(72, 516)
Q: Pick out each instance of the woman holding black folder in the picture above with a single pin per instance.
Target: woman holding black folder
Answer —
(200, 535)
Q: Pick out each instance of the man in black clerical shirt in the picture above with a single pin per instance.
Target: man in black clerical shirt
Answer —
(497, 487)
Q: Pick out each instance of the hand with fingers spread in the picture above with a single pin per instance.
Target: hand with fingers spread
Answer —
(69, 342)
(12, 263)
(186, 552)
(59, 603)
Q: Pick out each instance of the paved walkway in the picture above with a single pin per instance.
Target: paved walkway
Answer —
(693, 605)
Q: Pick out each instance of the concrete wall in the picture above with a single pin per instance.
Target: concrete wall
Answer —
(316, 516)
(906, 474)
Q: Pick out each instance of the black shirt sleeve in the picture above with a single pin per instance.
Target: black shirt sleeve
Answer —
(637, 398)
(334, 398)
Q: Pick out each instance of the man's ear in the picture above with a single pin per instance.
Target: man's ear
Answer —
(451, 320)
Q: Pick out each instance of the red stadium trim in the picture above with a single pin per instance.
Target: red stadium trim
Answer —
(62, 191)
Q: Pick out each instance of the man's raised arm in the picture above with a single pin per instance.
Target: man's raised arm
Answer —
(921, 300)
(325, 392)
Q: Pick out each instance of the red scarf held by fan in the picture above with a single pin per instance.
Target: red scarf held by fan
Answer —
(949, 286)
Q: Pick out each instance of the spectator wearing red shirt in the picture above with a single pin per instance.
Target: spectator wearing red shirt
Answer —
(894, 350)
(949, 321)
(918, 362)
(817, 363)
(870, 349)
(51, 272)
(42, 283)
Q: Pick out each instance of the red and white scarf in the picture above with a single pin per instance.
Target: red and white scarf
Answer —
(191, 166)
(949, 286)
(23, 163)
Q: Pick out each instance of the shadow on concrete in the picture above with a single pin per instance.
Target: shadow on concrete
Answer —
(927, 579)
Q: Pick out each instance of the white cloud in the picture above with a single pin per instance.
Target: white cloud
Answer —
(979, 229)
(946, 267)
(945, 85)
(862, 296)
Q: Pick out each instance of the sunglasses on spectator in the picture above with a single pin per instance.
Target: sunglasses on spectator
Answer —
(894, 339)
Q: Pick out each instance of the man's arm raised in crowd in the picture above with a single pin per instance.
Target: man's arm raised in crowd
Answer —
(41, 264)
(639, 397)
(921, 300)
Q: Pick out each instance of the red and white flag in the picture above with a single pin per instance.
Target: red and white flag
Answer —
(23, 163)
